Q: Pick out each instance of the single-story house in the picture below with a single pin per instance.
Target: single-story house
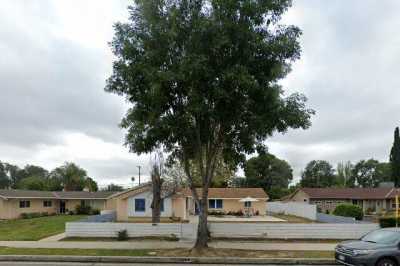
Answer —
(15, 202)
(369, 199)
(132, 204)
(135, 203)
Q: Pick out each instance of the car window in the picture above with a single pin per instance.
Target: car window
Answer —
(382, 237)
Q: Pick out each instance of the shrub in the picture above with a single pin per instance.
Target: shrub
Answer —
(216, 213)
(71, 213)
(389, 221)
(348, 210)
(95, 212)
(86, 210)
(31, 215)
(122, 235)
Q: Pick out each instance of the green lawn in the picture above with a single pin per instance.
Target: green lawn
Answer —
(168, 253)
(36, 228)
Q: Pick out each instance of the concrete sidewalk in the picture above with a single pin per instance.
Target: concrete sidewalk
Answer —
(168, 245)
(54, 238)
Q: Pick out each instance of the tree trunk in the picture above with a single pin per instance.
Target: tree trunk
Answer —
(156, 204)
(202, 230)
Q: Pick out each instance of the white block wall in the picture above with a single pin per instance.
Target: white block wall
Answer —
(77, 229)
(291, 231)
(308, 211)
(228, 230)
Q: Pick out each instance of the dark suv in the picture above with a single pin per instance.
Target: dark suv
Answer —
(377, 248)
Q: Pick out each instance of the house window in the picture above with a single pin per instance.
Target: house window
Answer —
(247, 204)
(83, 203)
(47, 203)
(140, 205)
(24, 204)
(162, 205)
(215, 204)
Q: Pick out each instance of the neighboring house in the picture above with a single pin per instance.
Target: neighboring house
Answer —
(135, 204)
(369, 199)
(15, 202)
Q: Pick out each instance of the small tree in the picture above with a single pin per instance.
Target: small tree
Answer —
(395, 158)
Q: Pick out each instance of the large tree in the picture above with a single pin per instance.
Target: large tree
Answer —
(344, 173)
(4, 179)
(70, 177)
(33, 183)
(202, 77)
(318, 173)
(270, 173)
(395, 158)
(366, 174)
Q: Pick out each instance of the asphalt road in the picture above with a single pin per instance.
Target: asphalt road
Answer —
(102, 264)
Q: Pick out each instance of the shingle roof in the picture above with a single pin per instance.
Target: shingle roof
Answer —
(349, 193)
(83, 194)
(16, 193)
(29, 194)
(228, 193)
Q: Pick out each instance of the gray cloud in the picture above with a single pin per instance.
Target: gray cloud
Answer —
(348, 71)
(55, 60)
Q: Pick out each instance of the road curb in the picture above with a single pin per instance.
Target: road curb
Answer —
(160, 260)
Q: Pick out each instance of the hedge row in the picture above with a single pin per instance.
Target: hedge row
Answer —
(388, 221)
(349, 210)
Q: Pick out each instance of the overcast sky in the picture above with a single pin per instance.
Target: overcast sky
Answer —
(55, 59)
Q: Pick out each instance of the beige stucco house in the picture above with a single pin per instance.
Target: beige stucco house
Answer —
(132, 204)
(15, 202)
(135, 204)
(370, 199)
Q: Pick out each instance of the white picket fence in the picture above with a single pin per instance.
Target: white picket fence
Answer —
(308, 211)
(225, 230)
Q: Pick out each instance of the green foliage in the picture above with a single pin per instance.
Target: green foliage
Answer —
(33, 177)
(4, 180)
(224, 173)
(389, 221)
(268, 172)
(80, 209)
(202, 79)
(318, 173)
(344, 174)
(32, 215)
(122, 235)
(395, 158)
(91, 184)
(86, 210)
(71, 176)
(33, 183)
(365, 173)
(203, 76)
(349, 210)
